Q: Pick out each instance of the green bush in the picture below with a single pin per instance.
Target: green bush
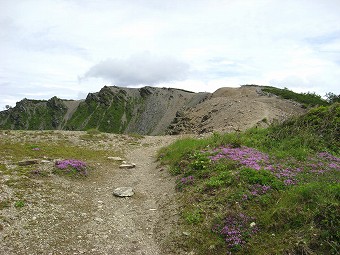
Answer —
(307, 99)
(262, 177)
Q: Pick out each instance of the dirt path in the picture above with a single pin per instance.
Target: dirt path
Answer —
(126, 225)
(67, 216)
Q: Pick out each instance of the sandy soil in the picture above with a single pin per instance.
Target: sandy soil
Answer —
(235, 109)
(81, 216)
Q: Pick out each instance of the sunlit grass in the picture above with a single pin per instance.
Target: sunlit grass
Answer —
(263, 191)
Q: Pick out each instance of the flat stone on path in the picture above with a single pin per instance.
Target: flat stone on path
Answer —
(127, 165)
(28, 162)
(123, 192)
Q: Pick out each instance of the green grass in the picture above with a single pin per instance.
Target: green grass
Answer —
(288, 204)
(306, 99)
(19, 151)
(19, 204)
(102, 111)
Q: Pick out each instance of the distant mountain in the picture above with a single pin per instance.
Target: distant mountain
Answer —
(147, 110)
(153, 111)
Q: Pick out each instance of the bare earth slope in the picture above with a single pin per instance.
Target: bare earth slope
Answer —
(234, 109)
(152, 111)
(81, 216)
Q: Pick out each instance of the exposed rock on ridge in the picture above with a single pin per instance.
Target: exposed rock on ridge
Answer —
(153, 111)
(234, 109)
(147, 110)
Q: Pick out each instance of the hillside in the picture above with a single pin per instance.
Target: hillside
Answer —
(146, 110)
(264, 191)
(153, 111)
(235, 109)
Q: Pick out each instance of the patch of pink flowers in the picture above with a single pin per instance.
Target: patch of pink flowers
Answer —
(236, 229)
(69, 164)
(287, 171)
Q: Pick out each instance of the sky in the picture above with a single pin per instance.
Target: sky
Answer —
(68, 48)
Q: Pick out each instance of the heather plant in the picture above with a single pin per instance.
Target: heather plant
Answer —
(185, 181)
(236, 229)
(71, 166)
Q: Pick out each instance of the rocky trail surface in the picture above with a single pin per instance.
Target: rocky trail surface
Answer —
(81, 215)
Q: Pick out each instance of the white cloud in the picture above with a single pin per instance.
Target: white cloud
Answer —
(45, 45)
(139, 69)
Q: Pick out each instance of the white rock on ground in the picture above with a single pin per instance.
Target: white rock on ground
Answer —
(127, 165)
(123, 192)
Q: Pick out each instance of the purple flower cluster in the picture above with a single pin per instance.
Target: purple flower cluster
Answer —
(258, 189)
(72, 164)
(236, 229)
(246, 156)
(328, 156)
(187, 180)
(286, 171)
(36, 149)
(323, 163)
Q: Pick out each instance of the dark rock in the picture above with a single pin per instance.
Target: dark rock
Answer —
(205, 118)
(28, 162)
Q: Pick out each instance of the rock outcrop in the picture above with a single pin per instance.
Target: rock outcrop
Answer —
(153, 111)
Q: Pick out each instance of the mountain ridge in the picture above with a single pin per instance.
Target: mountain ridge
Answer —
(153, 111)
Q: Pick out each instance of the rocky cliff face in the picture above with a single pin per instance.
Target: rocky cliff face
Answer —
(234, 109)
(147, 110)
(34, 114)
(153, 111)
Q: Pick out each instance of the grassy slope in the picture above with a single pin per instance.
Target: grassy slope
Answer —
(306, 99)
(265, 191)
(34, 115)
(103, 112)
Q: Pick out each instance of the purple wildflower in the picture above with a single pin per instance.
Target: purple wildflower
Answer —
(289, 182)
(287, 171)
(69, 164)
(187, 180)
(236, 229)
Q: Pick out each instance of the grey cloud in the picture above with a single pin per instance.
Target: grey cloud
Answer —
(139, 69)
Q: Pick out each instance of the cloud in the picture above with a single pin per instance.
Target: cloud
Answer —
(139, 69)
(197, 45)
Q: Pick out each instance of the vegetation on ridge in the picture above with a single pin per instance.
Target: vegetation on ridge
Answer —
(264, 191)
(103, 111)
(306, 99)
(34, 115)
(145, 110)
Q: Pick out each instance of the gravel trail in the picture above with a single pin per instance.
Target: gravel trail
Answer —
(82, 216)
